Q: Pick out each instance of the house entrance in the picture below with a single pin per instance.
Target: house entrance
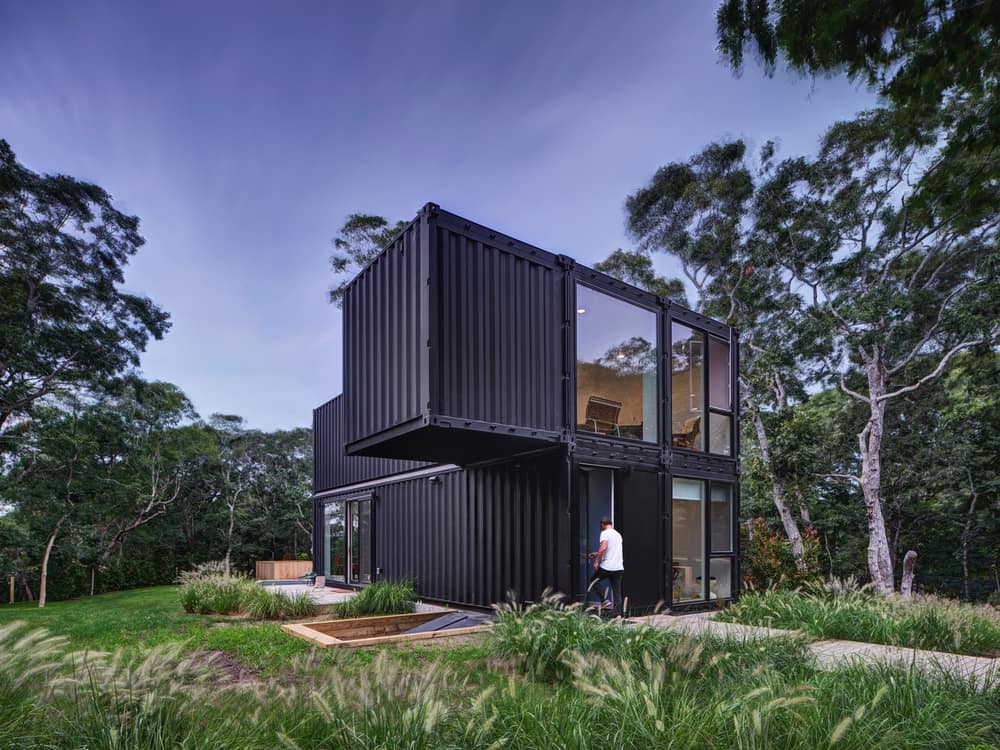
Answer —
(597, 500)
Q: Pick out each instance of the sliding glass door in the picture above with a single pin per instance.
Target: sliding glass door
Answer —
(347, 540)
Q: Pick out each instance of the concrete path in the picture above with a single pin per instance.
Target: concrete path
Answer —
(832, 654)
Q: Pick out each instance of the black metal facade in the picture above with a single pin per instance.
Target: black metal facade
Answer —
(460, 349)
(471, 536)
(331, 466)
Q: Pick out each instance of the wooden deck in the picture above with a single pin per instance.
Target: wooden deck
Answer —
(371, 631)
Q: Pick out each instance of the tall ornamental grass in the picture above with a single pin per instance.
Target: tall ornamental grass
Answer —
(213, 592)
(846, 611)
(646, 693)
(379, 598)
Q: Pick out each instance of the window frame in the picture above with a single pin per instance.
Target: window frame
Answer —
(709, 331)
(572, 395)
(708, 555)
(346, 504)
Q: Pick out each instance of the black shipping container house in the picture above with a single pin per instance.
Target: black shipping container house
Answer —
(499, 400)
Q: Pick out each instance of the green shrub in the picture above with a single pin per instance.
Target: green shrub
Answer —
(379, 598)
(850, 612)
(541, 636)
(264, 603)
(767, 561)
(209, 591)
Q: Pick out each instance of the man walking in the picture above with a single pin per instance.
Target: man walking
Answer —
(609, 563)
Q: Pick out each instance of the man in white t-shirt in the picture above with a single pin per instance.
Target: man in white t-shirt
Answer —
(609, 563)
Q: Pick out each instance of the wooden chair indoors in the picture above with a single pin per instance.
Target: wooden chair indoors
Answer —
(602, 416)
(689, 433)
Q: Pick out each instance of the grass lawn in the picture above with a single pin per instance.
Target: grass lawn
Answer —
(139, 619)
(546, 677)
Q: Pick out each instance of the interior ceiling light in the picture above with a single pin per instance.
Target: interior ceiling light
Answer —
(581, 310)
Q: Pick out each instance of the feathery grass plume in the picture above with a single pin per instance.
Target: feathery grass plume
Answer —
(28, 661)
(539, 637)
(383, 707)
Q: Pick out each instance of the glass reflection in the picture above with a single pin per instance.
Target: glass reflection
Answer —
(334, 541)
(688, 537)
(687, 358)
(616, 359)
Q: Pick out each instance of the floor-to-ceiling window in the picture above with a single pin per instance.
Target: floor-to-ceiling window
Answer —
(695, 503)
(347, 540)
(720, 397)
(688, 537)
(616, 359)
(694, 375)
(687, 388)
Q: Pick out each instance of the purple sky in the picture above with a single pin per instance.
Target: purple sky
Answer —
(242, 134)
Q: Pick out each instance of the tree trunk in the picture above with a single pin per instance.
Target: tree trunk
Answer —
(43, 584)
(28, 593)
(229, 538)
(906, 585)
(966, 529)
(870, 445)
(778, 494)
(803, 509)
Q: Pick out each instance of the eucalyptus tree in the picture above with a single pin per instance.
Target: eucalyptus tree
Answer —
(146, 451)
(889, 285)
(933, 61)
(64, 319)
(55, 478)
(239, 468)
(701, 212)
(636, 267)
(360, 238)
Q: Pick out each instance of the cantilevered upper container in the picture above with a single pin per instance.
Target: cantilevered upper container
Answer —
(453, 346)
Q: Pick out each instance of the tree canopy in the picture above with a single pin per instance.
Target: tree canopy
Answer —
(64, 318)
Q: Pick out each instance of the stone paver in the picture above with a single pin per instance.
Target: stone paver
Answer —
(832, 654)
(702, 623)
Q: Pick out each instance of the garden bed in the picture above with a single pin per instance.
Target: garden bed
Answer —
(370, 631)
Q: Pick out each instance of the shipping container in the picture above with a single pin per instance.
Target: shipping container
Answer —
(499, 400)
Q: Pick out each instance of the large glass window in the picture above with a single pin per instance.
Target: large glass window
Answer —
(688, 536)
(722, 517)
(339, 546)
(695, 503)
(334, 542)
(720, 397)
(687, 388)
(616, 358)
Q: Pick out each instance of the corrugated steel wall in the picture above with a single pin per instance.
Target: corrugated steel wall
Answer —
(499, 333)
(331, 468)
(471, 535)
(384, 309)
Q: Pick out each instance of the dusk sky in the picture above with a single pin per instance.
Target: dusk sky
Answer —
(243, 133)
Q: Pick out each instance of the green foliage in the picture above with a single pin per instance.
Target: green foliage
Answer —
(540, 637)
(210, 592)
(636, 267)
(379, 598)
(767, 560)
(621, 689)
(359, 240)
(64, 319)
(848, 612)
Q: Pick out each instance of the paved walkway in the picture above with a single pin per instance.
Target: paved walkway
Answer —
(833, 654)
